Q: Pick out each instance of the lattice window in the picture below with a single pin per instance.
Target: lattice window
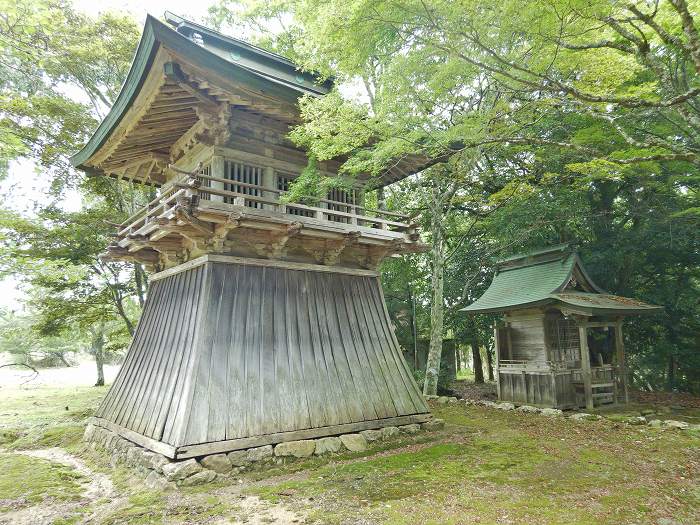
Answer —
(562, 335)
(206, 170)
(284, 180)
(341, 196)
(247, 175)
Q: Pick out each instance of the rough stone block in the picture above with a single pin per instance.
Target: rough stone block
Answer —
(89, 432)
(528, 409)
(371, 435)
(153, 460)
(654, 423)
(636, 420)
(327, 445)
(217, 462)
(133, 456)
(206, 476)
(505, 406)
(180, 470)
(671, 423)
(239, 458)
(98, 435)
(389, 432)
(413, 428)
(582, 416)
(354, 442)
(259, 453)
(552, 412)
(110, 439)
(443, 400)
(158, 482)
(298, 449)
(433, 425)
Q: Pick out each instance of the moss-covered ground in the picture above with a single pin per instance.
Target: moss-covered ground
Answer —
(486, 466)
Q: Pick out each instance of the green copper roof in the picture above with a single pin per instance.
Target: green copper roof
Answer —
(254, 68)
(541, 277)
(524, 285)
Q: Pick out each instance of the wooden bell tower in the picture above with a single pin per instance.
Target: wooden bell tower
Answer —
(265, 320)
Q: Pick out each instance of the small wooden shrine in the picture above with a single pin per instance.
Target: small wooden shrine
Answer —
(560, 343)
(265, 320)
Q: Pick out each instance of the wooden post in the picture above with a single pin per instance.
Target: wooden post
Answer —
(509, 339)
(585, 365)
(217, 170)
(268, 183)
(496, 352)
(621, 367)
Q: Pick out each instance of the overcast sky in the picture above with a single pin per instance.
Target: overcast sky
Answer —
(22, 186)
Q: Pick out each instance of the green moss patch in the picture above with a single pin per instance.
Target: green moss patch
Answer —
(28, 481)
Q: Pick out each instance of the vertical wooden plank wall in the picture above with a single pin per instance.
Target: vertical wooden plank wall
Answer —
(228, 351)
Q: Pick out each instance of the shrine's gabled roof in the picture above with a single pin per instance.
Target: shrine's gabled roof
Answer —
(553, 276)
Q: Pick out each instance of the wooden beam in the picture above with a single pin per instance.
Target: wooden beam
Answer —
(157, 446)
(621, 366)
(270, 263)
(174, 73)
(203, 449)
(585, 365)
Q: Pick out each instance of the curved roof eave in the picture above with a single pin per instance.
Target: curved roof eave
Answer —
(154, 34)
(519, 306)
(143, 57)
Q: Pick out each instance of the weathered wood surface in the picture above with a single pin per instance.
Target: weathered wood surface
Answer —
(225, 352)
(527, 340)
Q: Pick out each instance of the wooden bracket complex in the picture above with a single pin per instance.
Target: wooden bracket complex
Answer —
(329, 252)
(174, 73)
(374, 255)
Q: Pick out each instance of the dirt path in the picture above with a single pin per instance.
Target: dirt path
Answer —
(100, 499)
(95, 484)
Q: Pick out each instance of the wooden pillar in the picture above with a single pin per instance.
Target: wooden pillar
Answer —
(497, 358)
(217, 170)
(509, 339)
(621, 366)
(268, 183)
(585, 364)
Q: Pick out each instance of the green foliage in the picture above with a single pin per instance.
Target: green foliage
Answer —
(20, 338)
(59, 73)
(569, 111)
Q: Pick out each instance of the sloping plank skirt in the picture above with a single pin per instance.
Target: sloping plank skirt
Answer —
(234, 355)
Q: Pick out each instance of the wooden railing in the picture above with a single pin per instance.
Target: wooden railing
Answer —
(202, 188)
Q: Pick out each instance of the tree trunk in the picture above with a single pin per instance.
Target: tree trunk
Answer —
(476, 358)
(489, 362)
(381, 200)
(61, 357)
(98, 343)
(436, 309)
(672, 372)
(122, 313)
(140, 278)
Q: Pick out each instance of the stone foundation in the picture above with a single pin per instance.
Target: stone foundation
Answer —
(164, 473)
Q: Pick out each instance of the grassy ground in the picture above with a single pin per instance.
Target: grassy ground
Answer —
(487, 466)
